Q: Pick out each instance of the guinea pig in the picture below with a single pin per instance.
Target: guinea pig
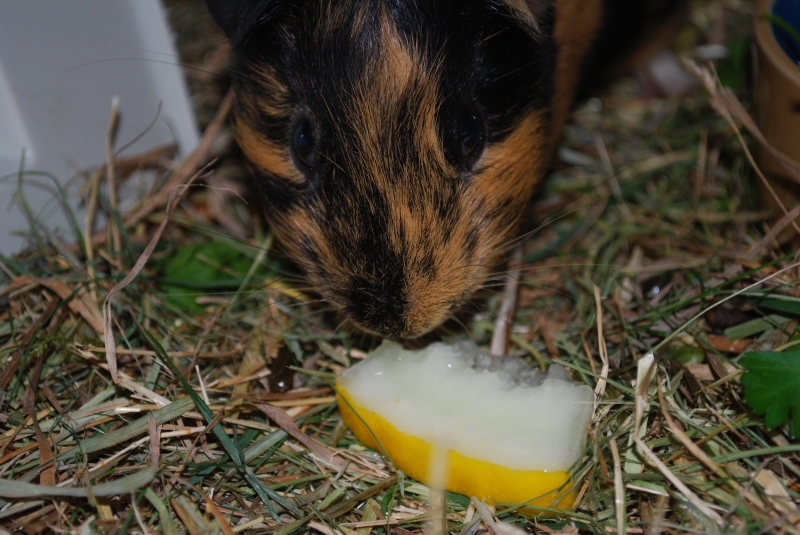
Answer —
(397, 143)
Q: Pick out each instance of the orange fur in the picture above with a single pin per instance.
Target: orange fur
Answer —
(577, 23)
(264, 154)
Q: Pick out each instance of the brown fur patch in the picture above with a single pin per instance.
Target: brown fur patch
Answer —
(576, 27)
(514, 167)
(508, 174)
(528, 12)
(397, 63)
(269, 82)
(360, 22)
(271, 100)
(397, 78)
(264, 154)
(332, 18)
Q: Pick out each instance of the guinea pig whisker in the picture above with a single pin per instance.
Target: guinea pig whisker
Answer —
(491, 284)
(551, 221)
(340, 326)
(474, 305)
(181, 61)
(290, 313)
(331, 161)
(232, 292)
(557, 266)
(267, 305)
(301, 305)
(461, 323)
(157, 61)
(206, 230)
(532, 287)
(317, 324)
(494, 316)
(607, 180)
(466, 266)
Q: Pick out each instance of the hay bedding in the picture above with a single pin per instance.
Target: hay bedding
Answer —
(215, 411)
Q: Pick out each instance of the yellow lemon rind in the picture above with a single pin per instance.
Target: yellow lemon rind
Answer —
(465, 475)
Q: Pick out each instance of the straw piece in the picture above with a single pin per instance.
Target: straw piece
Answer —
(18, 489)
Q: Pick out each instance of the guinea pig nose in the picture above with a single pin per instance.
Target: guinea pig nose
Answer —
(394, 315)
(378, 305)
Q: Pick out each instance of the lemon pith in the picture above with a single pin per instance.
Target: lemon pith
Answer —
(464, 475)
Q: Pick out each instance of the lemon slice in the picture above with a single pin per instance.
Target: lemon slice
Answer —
(454, 418)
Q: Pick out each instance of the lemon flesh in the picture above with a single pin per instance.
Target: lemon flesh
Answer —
(502, 430)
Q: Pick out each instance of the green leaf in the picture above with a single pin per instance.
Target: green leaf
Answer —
(685, 354)
(732, 71)
(781, 303)
(772, 386)
(202, 267)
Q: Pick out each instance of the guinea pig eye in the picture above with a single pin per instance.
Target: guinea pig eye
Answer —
(469, 131)
(304, 143)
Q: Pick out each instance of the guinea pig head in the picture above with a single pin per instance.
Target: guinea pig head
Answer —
(394, 144)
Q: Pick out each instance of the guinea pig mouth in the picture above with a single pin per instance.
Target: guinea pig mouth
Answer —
(393, 330)
(394, 315)
(378, 314)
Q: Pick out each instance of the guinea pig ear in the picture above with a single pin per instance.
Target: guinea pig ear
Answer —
(530, 11)
(237, 17)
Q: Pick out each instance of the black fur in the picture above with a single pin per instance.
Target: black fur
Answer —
(238, 18)
(626, 25)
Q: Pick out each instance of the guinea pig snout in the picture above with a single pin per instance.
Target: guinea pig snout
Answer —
(392, 304)
(378, 303)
